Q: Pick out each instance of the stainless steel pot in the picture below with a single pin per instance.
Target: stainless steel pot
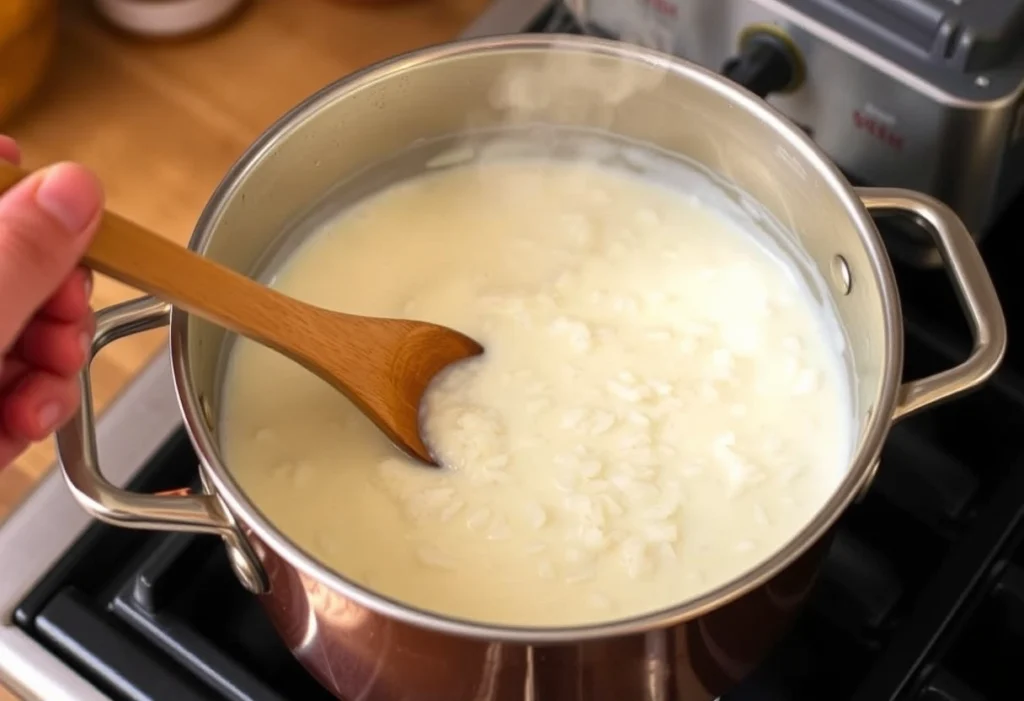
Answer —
(363, 646)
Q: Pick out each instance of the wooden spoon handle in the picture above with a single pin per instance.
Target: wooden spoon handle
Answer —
(150, 263)
(129, 253)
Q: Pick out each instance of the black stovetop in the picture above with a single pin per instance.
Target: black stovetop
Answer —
(921, 597)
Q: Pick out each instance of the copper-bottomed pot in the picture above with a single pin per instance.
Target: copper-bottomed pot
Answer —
(361, 645)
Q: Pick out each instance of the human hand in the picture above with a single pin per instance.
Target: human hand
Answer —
(46, 325)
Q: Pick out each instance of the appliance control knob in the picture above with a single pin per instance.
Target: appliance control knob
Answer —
(768, 62)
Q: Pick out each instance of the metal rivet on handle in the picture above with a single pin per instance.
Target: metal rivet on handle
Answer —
(245, 570)
(841, 274)
(245, 563)
(204, 407)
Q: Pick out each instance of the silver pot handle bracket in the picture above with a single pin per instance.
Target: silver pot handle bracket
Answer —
(180, 511)
(973, 286)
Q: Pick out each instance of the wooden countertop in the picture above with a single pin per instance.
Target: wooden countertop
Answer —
(161, 122)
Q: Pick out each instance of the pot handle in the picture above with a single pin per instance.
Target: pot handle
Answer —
(78, 457)
(974, 288)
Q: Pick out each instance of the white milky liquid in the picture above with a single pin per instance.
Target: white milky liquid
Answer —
(660, 406)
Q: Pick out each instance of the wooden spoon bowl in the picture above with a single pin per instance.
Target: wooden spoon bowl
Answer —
(382, 365)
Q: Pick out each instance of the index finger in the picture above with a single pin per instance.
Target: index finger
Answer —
(71, 300)
(9, 150)
(46, 223)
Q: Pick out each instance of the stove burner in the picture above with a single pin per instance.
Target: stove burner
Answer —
(921, 597)
(160, 615)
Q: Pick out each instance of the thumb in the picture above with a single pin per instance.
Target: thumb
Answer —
(46, 223)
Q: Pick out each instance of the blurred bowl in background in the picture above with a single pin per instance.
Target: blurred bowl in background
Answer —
(168, 19)
(28, 32)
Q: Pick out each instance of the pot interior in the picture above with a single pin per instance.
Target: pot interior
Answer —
(435, 107)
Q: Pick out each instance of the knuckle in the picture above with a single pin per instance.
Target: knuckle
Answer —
(27, 248)
(31, 261)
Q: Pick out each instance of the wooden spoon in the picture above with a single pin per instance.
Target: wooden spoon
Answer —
(382, 365)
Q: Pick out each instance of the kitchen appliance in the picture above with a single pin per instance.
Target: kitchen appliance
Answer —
(923, 94)
(917, 598)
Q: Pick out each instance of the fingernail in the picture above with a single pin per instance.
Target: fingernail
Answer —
(87, 285)
(71, 195)
(85, 341)
(48, 416)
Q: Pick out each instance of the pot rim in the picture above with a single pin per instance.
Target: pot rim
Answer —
(859, 471)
